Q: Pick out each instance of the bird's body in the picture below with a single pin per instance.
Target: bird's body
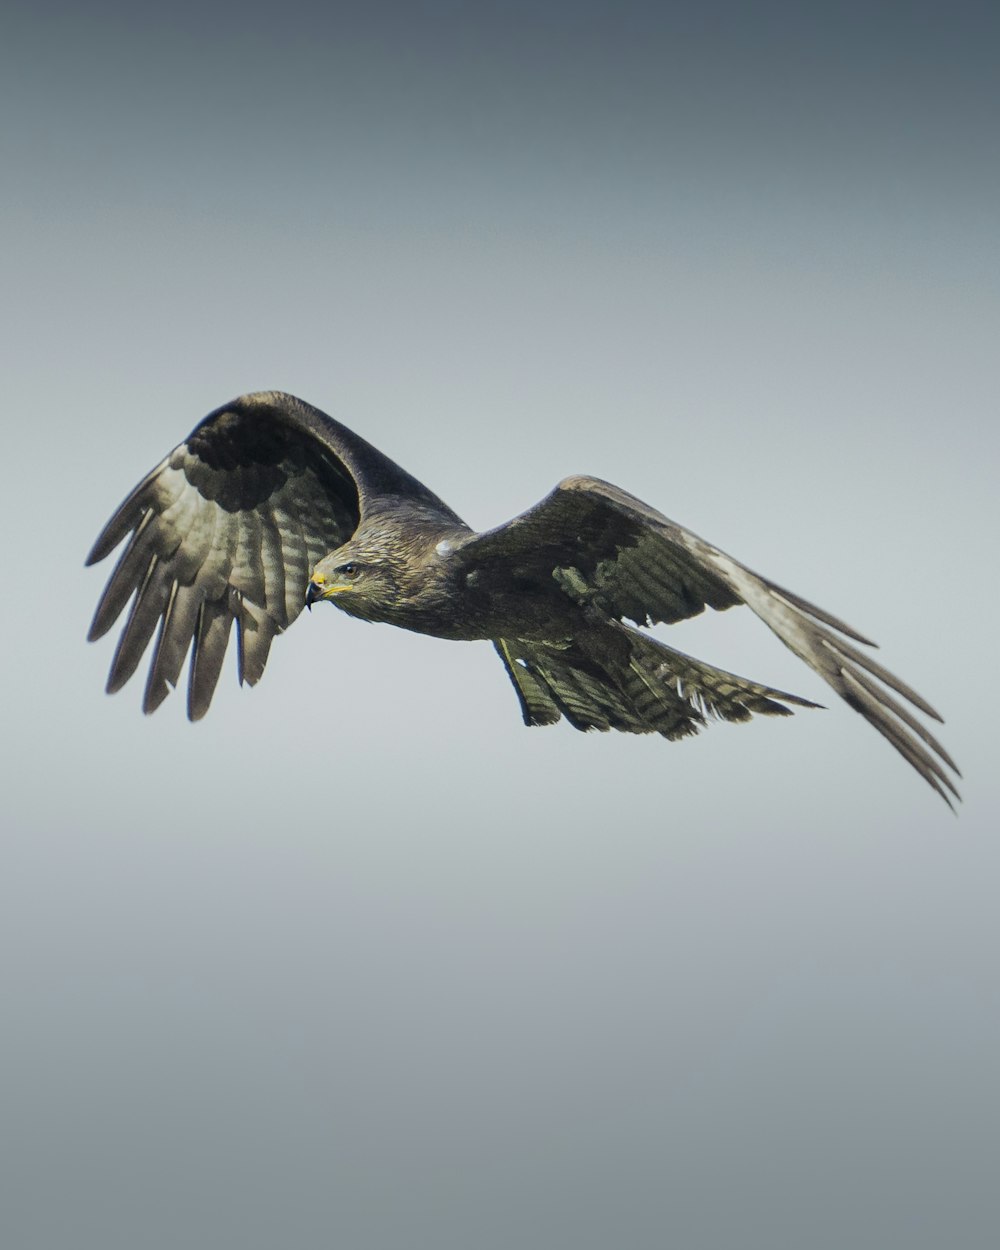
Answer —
(270, 505)
(434, 590)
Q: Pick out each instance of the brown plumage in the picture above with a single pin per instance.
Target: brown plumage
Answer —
(269, 505)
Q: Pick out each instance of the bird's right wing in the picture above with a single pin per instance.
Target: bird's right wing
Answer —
(617, 556)
(227, 529)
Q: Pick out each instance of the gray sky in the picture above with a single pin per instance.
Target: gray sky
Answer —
(359, 960)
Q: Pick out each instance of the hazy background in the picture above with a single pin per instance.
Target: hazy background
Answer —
(359, 961)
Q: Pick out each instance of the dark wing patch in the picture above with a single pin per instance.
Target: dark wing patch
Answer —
(226, 529)
(618, 558)
(603, 552)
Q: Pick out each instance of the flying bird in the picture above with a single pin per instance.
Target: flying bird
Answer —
(270, 506)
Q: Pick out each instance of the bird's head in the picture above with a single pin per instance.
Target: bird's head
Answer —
(361, 578)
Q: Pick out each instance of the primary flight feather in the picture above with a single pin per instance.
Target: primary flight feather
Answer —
(269, 506)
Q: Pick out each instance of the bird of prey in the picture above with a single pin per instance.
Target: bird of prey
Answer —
(270, 506)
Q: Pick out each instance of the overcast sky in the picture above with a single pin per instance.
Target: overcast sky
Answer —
(360, 961)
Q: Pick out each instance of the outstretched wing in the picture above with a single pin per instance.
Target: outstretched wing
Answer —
(227, 529)
(613, 553)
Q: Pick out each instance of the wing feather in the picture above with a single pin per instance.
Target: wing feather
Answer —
(296, 554)
(122, 584)
(248, 565)
(255, 631)
(147, 607)
(177, 628)
(211, 640)
(272, 557)
(127, 516)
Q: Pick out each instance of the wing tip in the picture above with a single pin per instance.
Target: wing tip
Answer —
(104, 544)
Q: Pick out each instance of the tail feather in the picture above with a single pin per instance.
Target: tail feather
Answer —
(537, 705)
(619, 678)
(714, 692)
(552, 682)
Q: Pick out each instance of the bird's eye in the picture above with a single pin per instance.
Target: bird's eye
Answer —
(349, 570)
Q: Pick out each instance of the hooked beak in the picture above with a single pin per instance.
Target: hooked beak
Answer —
(319, 588)
(315, 591)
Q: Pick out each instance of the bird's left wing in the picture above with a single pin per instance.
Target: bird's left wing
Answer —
(613, 553)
